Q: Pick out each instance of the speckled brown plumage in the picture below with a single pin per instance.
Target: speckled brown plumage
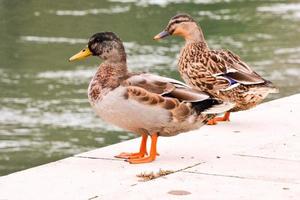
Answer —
(213, 70)
(105, 77)
(221, 73)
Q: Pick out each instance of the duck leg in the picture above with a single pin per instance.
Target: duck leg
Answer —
(219, 119)
(140, 154)
(153, 152)
(224, 118)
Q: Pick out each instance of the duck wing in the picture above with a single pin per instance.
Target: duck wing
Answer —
(222, 70)
(171, 94)
(166, 87)
(236, 69)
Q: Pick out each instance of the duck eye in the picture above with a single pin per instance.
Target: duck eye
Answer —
(172, 31)
(83, 50)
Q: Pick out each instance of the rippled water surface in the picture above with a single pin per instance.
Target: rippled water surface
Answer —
(44, 112)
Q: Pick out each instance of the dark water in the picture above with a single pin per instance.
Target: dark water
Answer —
(44, 112)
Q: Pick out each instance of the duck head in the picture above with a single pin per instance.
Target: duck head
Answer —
(106, 45)
(182, 25)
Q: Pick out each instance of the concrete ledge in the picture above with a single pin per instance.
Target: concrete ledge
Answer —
(255, 156)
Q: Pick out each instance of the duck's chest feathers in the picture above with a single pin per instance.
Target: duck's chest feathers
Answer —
(192, 53)
(116, 108)
(192, 62)
(103, 81)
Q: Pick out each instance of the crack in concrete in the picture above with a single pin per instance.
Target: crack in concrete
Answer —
(91, 157)
(242, 177)
(213, 174)
(265, 157)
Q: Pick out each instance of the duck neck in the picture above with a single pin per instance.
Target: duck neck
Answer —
(114, 55)
(195, 35)
(110, 73)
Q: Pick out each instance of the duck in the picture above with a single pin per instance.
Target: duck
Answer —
(146, 104)
(221, 73)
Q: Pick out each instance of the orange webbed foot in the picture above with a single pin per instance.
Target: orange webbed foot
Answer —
(125, 155)
(140, 154)
(215, 120)
(152, 155)
(141, 160)
(212, 122)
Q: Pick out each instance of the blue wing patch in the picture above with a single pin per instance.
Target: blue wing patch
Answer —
(231, 81)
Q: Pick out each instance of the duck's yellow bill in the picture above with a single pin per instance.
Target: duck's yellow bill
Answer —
(81, 55)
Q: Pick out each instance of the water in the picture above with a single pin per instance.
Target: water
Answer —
(44, 112)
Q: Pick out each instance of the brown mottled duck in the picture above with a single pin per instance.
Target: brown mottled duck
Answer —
(221, 73)
(146, 104)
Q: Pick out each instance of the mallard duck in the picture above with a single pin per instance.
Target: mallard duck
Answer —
(146, 104)
(221, 73)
